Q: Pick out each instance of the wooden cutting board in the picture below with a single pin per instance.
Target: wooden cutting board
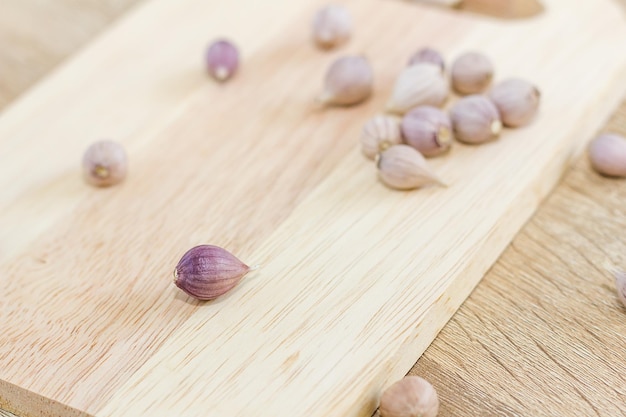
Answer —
(356, 279)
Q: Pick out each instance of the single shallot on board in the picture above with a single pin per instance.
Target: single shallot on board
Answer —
(205, 272)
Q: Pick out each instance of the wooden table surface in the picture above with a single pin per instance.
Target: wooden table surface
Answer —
(543, 334)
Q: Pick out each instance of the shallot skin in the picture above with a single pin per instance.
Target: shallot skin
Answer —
(348, 81)
(428, 55)
(517, 101)
(105, 163)
(427, 129)
(222, 59)
(205, 272)
(332, 26)
(475, 120)
(607, 154)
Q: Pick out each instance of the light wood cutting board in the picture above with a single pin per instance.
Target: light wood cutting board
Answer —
(356, 280)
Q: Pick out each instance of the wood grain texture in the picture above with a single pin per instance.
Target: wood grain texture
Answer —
(36, 35)
(192, 110)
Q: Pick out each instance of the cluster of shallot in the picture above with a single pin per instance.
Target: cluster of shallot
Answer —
(417, 127)
(414, 129)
